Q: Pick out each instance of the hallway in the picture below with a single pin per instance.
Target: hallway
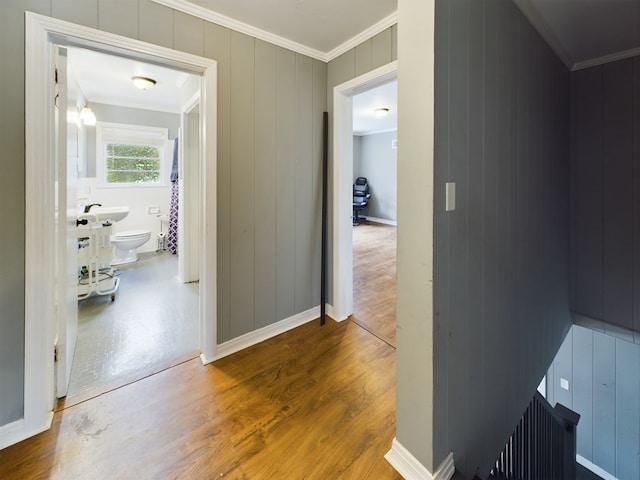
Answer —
(315, 403)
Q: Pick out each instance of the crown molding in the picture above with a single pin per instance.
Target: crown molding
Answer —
(633, 52)
(197, 11)
(217, 18)
(545, 32)
(362, 36)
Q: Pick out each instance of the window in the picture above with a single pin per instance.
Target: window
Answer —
(131, 155)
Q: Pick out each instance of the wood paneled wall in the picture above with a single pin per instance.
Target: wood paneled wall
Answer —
(369, 55)
(501, 289)
(270, 104)
(605, 193)
(604, 388)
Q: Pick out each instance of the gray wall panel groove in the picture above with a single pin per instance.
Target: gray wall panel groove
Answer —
(605, 188)
(501, 293)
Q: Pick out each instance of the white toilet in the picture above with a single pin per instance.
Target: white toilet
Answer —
(126, 244)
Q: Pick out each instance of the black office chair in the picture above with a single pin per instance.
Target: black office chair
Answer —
(361, 198)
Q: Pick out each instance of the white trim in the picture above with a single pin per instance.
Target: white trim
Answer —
(256, 336)
(342, 183)
(238, 26)
(384, 221)
(594, 468)
(363, 36)
(40, 34)
(374, 132)
(594, 62)
(411, 469)
(19, 430)
(39, 229)
(136, 106)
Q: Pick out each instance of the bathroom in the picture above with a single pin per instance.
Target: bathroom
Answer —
(151, 321)
(148, 205)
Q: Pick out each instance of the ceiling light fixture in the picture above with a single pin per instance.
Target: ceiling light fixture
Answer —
(143, 83)
(381, 112)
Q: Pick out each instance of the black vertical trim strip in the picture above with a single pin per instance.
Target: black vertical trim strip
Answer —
(323, 261)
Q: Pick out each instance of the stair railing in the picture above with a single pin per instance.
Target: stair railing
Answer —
(543, 445)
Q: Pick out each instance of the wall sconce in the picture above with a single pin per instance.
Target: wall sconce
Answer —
(87, 117)
(381, 112)
(143, 83)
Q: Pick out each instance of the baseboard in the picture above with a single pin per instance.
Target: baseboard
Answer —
(248, 339)
(411, 469)
(594, 468)
(331, 313)
(384, 221)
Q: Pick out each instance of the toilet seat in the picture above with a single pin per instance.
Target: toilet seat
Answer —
(131, 234)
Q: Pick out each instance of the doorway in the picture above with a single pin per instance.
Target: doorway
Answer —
(342, 243)
(375, 125)
(150, 322)
(40, 280)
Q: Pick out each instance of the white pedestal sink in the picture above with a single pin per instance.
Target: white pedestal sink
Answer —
(102, 214)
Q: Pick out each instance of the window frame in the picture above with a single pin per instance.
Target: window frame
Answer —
(123, 134)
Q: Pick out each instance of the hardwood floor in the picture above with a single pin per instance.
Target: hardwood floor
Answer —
(313, 403)
(374, 279)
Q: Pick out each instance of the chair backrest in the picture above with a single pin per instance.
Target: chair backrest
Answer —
(361, 187)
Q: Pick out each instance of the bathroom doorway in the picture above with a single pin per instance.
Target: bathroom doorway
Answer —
(150, 322)
(42, 185)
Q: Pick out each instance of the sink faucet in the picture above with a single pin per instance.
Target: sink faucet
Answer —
(88, 207)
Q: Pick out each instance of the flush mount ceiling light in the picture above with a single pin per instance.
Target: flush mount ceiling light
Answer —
(143, 83)
(381, 112)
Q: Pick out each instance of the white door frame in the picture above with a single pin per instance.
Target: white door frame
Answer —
(343, 180)
(41, 33)
(189, 192)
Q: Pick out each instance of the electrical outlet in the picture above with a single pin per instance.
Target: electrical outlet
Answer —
(564, 384)
(153, 210)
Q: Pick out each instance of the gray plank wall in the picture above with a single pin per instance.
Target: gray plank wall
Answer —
(605, 193)
(375, 159)
(604, 388)
(501, 260)
(270, 104)
(369, 55)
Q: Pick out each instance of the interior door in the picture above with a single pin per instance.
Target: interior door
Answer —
(67, 150)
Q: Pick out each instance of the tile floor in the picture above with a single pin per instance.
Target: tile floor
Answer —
(152, 325)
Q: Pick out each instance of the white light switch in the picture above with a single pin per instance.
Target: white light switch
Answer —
(450, 201)
(564, 383)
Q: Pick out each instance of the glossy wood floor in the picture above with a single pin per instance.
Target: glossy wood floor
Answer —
(374, 279)
(313, 403)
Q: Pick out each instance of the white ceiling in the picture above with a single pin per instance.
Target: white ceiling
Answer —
(364, 105)
(106, 79)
